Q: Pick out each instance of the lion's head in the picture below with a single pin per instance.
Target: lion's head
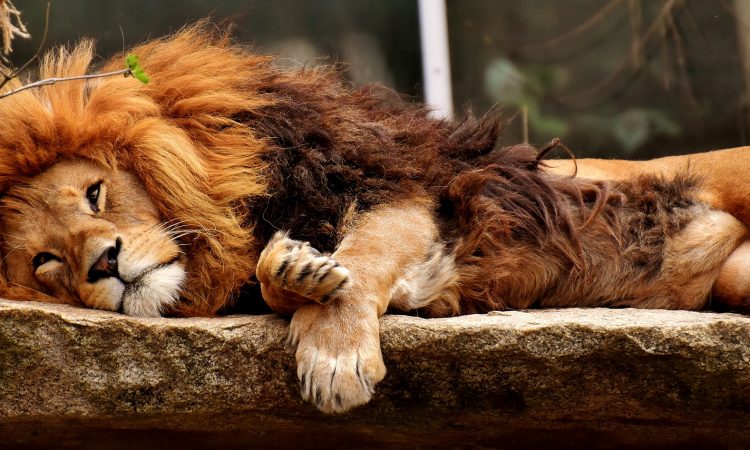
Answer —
(89, 235)
(119, 195)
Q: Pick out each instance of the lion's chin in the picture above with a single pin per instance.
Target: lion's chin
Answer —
(153, 292)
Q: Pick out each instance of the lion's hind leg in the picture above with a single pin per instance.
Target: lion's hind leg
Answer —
(293, 273)
(732, 287)
(697, 259)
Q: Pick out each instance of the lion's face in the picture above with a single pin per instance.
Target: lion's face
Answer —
(89, 235)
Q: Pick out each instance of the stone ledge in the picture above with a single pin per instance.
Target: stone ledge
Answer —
(635, 376)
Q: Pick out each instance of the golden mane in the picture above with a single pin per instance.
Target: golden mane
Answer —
(199, 166)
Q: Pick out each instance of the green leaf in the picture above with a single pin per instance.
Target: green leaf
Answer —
(136, 69)
(141, 76)
(132, 61)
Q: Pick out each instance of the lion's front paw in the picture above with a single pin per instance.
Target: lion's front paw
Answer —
(338, 365)
(300, 268)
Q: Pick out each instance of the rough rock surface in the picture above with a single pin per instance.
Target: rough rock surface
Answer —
(71, 377)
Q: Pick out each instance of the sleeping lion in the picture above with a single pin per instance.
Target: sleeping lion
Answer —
(226, 178)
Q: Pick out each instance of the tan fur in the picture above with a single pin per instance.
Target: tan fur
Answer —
(732, 286)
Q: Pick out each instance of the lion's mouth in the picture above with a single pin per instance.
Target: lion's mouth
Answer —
(137, 278)
(153, 290)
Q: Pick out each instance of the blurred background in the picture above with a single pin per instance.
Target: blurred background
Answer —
(625, 78)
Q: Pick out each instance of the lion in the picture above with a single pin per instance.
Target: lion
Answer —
(228, 181)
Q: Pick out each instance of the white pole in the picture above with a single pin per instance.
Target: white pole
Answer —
(436, 67)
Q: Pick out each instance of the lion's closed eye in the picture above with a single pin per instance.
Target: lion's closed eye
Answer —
(44, 262)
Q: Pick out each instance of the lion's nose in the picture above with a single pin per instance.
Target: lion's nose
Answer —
(106, 265)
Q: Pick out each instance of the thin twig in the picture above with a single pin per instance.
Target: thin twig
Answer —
(15, 73)
(593, 20)
(666, 75)
(681, 59)
(656, 26)
(122, 35)
(49, 81)
(636, 15)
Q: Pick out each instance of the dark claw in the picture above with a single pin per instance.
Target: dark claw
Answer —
(337, 399)
(303, 385)
(304, 272)
(338, 288)
(321, 275)
(282, 268)
(365, 382)
(319, 397)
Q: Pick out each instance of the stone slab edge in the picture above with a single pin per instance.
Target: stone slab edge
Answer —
(545, 368)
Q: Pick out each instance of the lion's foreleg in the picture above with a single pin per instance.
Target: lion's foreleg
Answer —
(292, 273)
(338, 344)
